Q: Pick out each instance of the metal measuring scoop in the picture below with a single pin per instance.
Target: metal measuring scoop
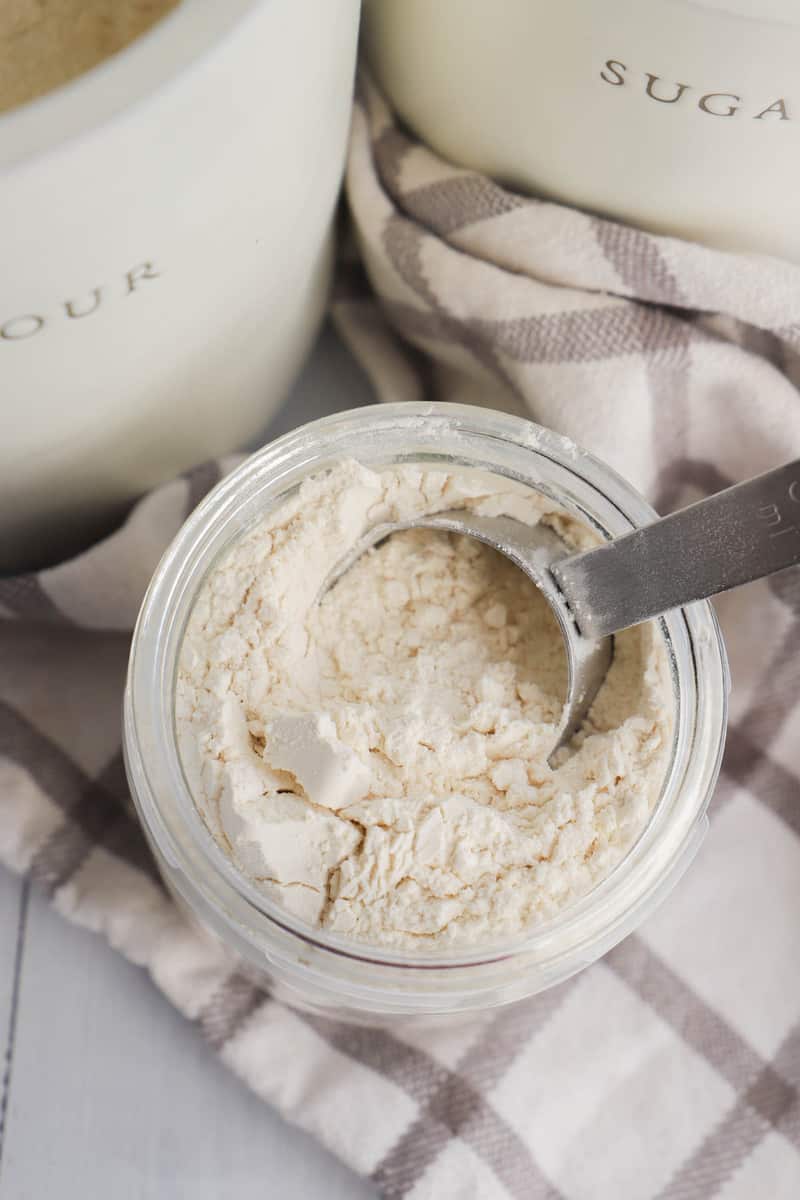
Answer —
(743, 533)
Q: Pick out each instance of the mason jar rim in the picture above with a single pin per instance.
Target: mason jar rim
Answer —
(203, 873)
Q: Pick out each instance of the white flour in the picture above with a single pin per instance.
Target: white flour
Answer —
(377, 762)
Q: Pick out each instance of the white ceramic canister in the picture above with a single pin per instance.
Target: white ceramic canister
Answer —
(165, 249)
(679, 116)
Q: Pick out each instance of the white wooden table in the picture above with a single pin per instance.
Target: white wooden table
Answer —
(106, 1093)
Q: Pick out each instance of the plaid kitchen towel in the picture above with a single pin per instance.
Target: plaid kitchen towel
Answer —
(672, 1068)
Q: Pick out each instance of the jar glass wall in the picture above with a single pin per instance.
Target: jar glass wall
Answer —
(325, 971)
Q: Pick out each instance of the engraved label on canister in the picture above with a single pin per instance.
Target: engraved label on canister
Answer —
(75, 310)
(616, 70)
(20, 328)
(719, 110)
(24, 326)
(652, 80)
(711, 103)
(778, 108)
(145, 270)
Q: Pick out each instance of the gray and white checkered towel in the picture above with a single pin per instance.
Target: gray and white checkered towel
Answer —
(671, 1068)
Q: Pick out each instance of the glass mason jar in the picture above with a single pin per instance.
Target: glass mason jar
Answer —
(327, 972)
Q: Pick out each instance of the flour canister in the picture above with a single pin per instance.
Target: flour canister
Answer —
(165, 247)
(680, 116)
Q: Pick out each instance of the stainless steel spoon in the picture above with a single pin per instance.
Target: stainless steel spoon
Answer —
(743, 533)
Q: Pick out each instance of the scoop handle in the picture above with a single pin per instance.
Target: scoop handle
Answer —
(743, 533)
